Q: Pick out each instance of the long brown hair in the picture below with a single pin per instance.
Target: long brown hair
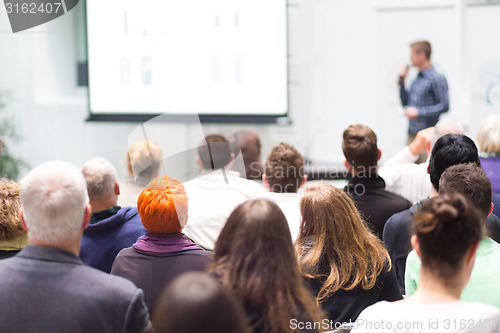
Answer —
(254, 258)
(334, 244)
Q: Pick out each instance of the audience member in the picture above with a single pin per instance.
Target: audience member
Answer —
(165, 251)
(470, 181)
(488, 140)
(46, 287)
(12, 235)
(255, 260)
(408, 179)
(344, 263)
(365, 186)
(214, 195)
(448, 231)
(112, 228)
(143, 165)
(248, 143)
(449, 150)
(196, 302)
(283, 176)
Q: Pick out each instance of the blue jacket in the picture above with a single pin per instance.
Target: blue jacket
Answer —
(104, 238)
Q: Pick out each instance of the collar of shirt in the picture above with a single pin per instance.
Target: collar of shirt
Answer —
(104, 214)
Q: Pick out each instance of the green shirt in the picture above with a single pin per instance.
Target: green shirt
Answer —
(484, 283)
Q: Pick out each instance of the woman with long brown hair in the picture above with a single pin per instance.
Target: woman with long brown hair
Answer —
(255, 260)
(344, 263)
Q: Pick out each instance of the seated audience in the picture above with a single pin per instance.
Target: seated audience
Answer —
(448, 231)
(214, 195)
(143, 165)
(195, 303)
(365, 186)
(165, 251)
(12, 235)
(112, 228)
(46, 287)
(402, 175)
(488, 140)
(254, 259)
(344, 263)
(449, 150)
(248, 143)
(283, 176)
(470, 181)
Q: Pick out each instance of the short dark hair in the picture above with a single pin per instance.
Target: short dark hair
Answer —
(216, 153)
(249, 144)
(360, 149)
(446, 227)
(451, 149)
(284, 169)
(472, 182)
(422, 46)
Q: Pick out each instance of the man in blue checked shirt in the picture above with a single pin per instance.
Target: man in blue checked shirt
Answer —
(428, 94)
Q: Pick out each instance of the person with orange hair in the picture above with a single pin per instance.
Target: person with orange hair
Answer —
(164, 252)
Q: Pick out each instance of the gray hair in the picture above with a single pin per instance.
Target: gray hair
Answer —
(53, 201)
(488, 135)
(100, 176)
(443, 127)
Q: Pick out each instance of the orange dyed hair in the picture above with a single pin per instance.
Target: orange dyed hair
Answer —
(163, 206)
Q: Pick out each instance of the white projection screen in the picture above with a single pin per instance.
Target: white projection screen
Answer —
(214, 58)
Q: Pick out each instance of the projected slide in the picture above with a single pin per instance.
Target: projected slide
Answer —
(225, 57)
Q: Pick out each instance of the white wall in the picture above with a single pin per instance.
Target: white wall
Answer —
(339, 75)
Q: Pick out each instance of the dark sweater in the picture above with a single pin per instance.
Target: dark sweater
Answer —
(345, 306)
(152, 272)
(374, 203)
(109, 232)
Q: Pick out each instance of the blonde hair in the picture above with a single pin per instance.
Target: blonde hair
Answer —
(334, 243)
(10, 226)
(144, 159)
(488, 135)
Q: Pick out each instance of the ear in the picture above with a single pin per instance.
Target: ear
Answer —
(348, 166)
(491, 209)
(416, 245)
(198, 161)
(304, 180)
(265, 181)
(471, 253)
(21, 219)
(379, 154)
(117, 188)
(86, 217)
(428, 166)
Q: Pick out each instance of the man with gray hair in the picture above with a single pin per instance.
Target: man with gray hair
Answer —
(112, 228)
(46, 287)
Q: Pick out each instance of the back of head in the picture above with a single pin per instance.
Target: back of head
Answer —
(195, 302)
(249, 144)
(360, 149)
(284, 169)
(488, 136)
(422, 46)
(10, 226)
(216, 153)
(53, 201)
(100, 176)
(443, 127)
(449, 150)
(163, 206)
(446, 227)
(144, 160)
(470, 181)
(341, 242)
(254, 258)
